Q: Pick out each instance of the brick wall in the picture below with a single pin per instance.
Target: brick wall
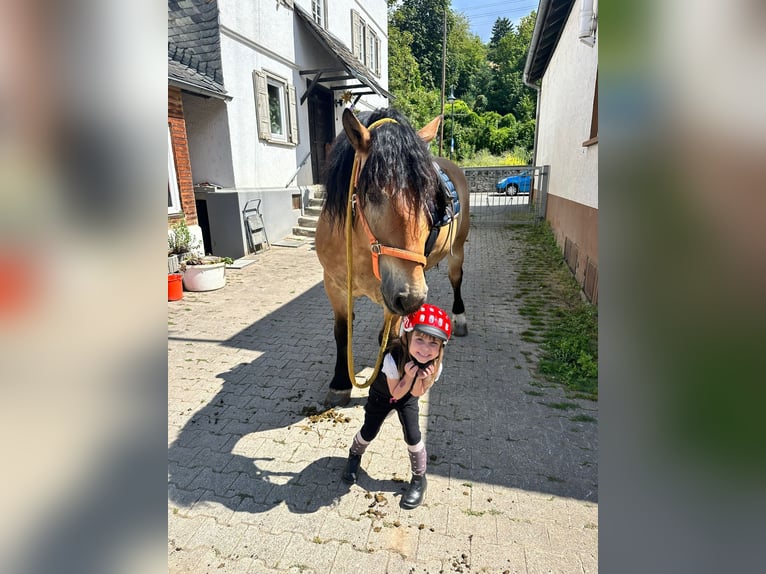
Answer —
(181, 154)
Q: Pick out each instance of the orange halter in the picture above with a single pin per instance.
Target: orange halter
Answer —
(376, 248)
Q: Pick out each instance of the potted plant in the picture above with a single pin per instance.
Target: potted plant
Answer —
(205, 273)
(180, 245)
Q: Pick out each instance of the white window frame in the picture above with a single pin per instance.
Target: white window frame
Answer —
(373, 52)
(365, 44)
(287, 106)
(318, 11)
(277, 91)
(173, 193)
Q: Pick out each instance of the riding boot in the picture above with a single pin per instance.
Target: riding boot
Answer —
(352, 468)
(358, 446)
(416, 493)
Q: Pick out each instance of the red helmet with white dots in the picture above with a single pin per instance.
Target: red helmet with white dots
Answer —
(431, 320)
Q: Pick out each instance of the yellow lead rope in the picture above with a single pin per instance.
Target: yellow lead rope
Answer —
(349, 269)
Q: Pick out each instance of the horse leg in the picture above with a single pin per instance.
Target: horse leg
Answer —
(455, 270)
(340, 387)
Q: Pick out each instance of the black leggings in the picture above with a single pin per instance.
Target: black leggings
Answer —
(376, 410)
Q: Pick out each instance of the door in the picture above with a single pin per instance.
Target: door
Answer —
(321, 128)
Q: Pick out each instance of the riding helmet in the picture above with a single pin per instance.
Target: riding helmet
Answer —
(431, 320)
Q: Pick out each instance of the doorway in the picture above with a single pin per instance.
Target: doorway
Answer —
(321, 128)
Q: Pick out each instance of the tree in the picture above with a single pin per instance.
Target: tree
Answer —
(495, 110)
(500, 28)
(422, 19)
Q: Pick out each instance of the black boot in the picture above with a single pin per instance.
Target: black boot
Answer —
(352, 467)
(416, 493)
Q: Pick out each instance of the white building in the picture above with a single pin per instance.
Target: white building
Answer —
(261, 86)
(562, 65)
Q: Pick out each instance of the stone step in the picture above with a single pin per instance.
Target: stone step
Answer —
(304, 231)
(304, 221)
(312, 212)
(316, 203)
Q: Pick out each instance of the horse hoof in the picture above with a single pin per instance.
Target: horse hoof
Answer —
(459, 325)
(337, 398)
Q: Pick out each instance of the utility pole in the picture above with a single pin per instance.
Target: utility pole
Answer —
(444, 73)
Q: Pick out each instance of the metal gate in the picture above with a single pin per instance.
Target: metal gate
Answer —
(508, 194)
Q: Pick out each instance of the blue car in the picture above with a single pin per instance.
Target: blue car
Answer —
(515, 184)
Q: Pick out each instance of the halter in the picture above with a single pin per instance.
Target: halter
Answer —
(376, 248)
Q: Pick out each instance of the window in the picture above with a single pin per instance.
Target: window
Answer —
(317, 10)
(365, 44)
(593, 139)
(174, 197)
(275, 109)
(373, 47)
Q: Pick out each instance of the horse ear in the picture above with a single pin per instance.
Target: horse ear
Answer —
(358, 135)
(429, 131)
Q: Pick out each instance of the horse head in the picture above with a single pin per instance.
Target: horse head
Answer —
(394, 183)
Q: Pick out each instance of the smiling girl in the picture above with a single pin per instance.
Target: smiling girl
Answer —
(412, 364)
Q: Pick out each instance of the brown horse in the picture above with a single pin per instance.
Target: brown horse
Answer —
(399, 224)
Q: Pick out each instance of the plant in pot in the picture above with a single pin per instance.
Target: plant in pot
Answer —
(205, 273)
(180, 245)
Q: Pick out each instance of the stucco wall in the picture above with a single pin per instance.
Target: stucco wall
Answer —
(565, 115)
(566, 105)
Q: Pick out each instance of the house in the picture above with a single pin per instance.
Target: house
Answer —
(562, 65)
(256, 91)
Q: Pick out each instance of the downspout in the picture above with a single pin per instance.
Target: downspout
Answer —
(541, 12)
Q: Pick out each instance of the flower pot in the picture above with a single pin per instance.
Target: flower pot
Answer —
(175, 287)
(174, 265)
(205, 277)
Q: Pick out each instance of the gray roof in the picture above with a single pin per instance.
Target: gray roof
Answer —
(350, 68)
(551, 17)
(194, 46)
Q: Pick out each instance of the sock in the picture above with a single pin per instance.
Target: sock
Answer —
(359, 445)
(418, 458)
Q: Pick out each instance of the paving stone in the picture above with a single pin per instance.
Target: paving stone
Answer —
(254, 484)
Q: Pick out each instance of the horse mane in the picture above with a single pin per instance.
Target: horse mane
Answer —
(399, 159)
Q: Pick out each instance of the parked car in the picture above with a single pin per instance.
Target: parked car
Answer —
(515, 184)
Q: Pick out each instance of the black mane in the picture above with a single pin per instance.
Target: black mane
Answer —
(399, 160)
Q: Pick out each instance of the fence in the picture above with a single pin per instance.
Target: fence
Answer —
(508, 194)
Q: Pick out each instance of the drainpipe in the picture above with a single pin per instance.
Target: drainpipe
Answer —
(542, 11)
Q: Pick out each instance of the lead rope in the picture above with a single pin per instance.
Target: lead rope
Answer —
(349, 269)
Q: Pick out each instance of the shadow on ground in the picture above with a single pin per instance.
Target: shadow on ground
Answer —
(488, 419)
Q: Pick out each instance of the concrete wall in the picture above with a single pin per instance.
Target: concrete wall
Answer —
(207, 128)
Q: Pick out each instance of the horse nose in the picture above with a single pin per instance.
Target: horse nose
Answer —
(408, 302)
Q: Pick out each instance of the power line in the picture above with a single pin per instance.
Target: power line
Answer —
(532, 5)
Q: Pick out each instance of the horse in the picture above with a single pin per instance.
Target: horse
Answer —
(402, 224)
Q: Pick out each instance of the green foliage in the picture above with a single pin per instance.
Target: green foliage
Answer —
(570, 349)
(180, 239)
(494, 109)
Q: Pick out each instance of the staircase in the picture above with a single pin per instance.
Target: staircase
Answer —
(307, 223)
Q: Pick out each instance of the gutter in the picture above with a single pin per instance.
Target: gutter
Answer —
(189, 87)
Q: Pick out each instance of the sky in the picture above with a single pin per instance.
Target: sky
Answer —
(483, 13)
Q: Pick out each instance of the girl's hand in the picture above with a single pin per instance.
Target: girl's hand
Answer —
(425, 373)
(410, 370)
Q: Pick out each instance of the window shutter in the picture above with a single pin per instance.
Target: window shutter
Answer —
(262, 105)
(356, 35)
(377, 56)
(292, 114)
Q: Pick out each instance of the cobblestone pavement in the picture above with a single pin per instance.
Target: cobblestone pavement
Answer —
(254, 478)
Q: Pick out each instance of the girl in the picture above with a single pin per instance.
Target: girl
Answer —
(412, 363)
